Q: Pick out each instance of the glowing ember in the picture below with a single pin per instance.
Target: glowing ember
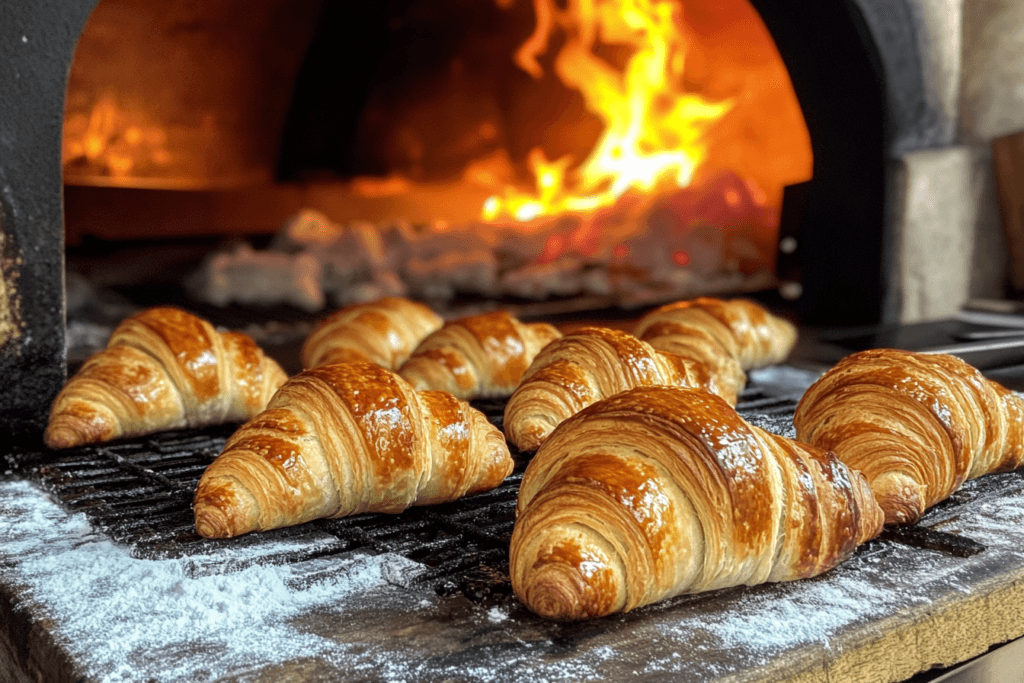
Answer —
(113, 140)
(653, 130)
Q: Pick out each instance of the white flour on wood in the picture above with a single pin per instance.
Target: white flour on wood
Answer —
(123, 617)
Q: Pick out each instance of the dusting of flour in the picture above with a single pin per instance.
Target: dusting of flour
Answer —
(118, 615)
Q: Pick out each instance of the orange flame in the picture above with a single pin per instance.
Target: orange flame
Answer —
(653, 130)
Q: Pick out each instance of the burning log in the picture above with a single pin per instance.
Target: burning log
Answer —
(247, 276)
(709, 238)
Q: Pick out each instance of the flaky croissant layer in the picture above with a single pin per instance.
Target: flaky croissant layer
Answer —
(384, 332)
(588, 365)
(712, 331)
(478, 356)
(660, 491)
(343, 439)
(917, 425)
(163, 368)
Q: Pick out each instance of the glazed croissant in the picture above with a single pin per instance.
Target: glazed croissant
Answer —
(661, 491)
(383, 332)
(162, 369)
(917, 425)
(586, 366)
(709, 330)
(343, 439)
(479, 356)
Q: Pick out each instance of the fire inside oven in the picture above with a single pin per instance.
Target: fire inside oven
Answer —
(613, 152)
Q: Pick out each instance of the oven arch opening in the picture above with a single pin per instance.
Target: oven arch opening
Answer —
(32, 201)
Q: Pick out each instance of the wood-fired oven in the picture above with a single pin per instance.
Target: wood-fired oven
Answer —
(287, 108)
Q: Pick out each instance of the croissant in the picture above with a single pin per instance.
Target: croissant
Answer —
(588, 365)
(709, 330)
(660, 491)
(383, 332)
(343, 439)
(162, 369)
(917, 425)
(479, 356)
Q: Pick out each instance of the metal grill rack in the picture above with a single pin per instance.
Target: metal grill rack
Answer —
(140, 493)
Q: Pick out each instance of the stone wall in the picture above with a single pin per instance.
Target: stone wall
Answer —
(991, 105)
(944, 209)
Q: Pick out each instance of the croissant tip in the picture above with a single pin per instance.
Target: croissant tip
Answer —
(529, 433)
(221, 511)
(78, 423)
(212, 522)
(529, 441)
(902, 499)
(62, 436)
(896, 513)
(67, 431)
(554, 595)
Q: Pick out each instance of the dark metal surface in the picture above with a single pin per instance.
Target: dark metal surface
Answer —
(37, 40)
(992, 343)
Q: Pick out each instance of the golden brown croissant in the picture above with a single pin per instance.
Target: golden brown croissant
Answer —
(383, 332)
(708, 330)
(479, 356)
(588, 365)
(343, 439)
(162, 369)
(661, 491)
(917, 425)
